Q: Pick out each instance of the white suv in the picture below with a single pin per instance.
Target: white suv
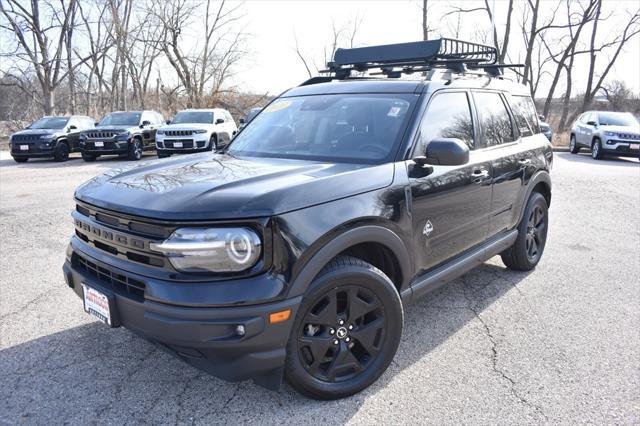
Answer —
(195, 130)
(605, 132)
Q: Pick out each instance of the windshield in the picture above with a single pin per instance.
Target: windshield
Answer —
(360, 128)
(193, 117)
(252, 113)
(121, 119)
(616, 119)
(50, 123)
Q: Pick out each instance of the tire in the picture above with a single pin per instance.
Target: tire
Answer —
(367, 302)
(20, 159)
(135, 150)
(527, 250)
(61, 152)
(163, 155)
(213, 143)
(88, 157)
(573, 145)
(596, 150)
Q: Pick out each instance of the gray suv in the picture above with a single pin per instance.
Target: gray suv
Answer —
(605, 132)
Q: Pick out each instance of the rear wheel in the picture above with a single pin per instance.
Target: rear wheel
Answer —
(573, 145)
(135, 150)
(88, 157)
(346, 332)
(20, 159)
(596, 150)
(527, 250)
(62, 152)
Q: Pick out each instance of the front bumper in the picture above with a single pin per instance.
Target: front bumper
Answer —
(621, 147)
(204, 337)
(191, 144)
(36, 150)
(109, 147)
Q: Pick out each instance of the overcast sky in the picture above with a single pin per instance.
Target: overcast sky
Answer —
(275, 67)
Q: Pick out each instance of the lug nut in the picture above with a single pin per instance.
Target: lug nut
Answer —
(331, 331)
(335, 342)
(351, 327)
(341, 322)
(348, 339)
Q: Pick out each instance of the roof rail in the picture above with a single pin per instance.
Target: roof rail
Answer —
(396, 59)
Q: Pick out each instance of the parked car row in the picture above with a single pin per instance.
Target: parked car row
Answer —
(124, 133)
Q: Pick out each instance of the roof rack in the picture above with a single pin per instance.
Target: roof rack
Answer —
(406, 58)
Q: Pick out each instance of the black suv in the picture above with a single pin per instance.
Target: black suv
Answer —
(49, 137)
(292, 252)
(127, 134)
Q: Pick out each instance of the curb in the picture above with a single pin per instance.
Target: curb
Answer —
(560, 148)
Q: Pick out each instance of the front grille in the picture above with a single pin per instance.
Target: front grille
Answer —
(25, 138)
(178, 132)
(186, 143)
(630, 136)
(115, 281)
(104, 134)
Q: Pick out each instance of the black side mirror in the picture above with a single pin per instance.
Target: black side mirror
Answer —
(592, 123)
(72, 127)
(219, 121)
(168, 121)
(242, 121)
(447, 152)
(96, 123)
(541, 117)
(145, 123)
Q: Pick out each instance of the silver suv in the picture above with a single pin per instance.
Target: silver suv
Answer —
(605, 132)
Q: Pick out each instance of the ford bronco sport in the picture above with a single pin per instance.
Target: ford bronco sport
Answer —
(291, 253)
(49, 137)
(126, 134)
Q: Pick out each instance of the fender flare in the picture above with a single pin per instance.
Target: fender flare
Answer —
(540, 177)
(362, 234)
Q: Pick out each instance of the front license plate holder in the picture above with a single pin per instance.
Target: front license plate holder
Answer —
(99, 304)
(177, 144)
(99, 144)
(24, 147)
(634, 146)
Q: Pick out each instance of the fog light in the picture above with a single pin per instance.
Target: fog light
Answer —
(240, 331)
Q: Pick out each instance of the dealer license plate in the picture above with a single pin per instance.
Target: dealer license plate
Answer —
(99, 144)
(24, 147)
(177, 144)
(96, 304)
(634, 146)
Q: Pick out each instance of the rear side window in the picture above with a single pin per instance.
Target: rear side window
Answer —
(448, 116)
(494, 119)
(524, 113)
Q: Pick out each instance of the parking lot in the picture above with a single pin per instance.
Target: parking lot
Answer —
(558, 345)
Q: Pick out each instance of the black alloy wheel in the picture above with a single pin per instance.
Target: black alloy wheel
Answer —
(135, 150)
(346, 331)
(61, 152)
(534, 240)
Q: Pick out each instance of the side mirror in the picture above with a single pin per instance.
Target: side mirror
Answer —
(592, 123)
(145, 123)
(96, 123)
(242, 121)
(541, 117)
(447, 152)
(72, 127)
(219, 121)
(168, 121)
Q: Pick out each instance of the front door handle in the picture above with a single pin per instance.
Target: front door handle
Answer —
(480, 175)
(525, 162)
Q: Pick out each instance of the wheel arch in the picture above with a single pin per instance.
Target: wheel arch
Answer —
(541, 183)
(375, 244)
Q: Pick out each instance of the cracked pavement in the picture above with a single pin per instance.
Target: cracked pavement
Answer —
(560, 344)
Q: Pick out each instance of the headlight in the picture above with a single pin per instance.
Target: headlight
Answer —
(211, 249)
(160, 132)
(610, 133)
(200, 131)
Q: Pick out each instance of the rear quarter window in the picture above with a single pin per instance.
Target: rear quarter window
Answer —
(524, 113)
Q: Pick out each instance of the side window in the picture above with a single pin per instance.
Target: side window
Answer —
(448, 116)
(494, 119)
(519, 111)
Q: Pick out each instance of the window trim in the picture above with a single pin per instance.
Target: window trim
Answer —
(423, 114)
(514, 128)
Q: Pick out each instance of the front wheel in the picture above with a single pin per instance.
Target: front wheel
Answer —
(20, 159)
(135, 150)
(527, 250)
(88, 157)
(346, 332)
(62, 152)
(596, 150)
(163, 155)
(573, 145)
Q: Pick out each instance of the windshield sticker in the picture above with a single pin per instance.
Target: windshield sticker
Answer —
(393, 112)
(277, 106)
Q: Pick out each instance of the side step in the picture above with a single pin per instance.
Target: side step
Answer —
(436, 278)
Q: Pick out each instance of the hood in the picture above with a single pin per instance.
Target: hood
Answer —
(187, 126)
(36, 132)
(219, 186)
(621, 129)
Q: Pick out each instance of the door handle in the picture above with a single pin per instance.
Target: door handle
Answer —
(525, 162)
(479, 175)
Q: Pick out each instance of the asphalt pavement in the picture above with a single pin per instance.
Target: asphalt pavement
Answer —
(560, 344)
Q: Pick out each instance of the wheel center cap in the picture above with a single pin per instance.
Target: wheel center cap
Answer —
(341, 333)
